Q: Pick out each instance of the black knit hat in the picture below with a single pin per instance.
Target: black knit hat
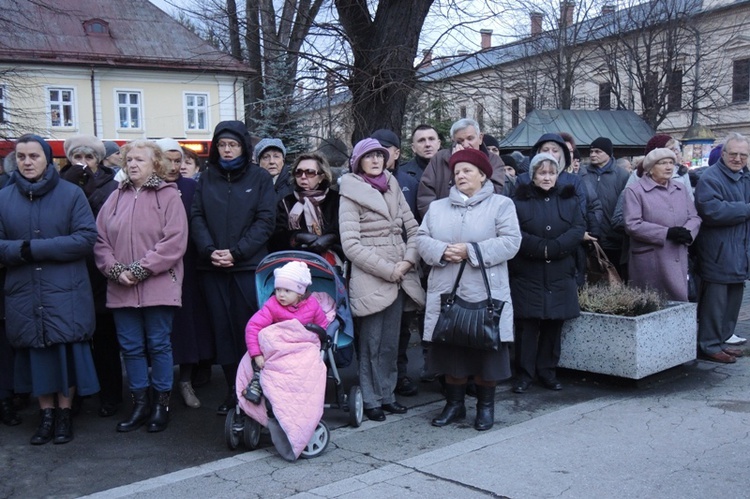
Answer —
(604, 144)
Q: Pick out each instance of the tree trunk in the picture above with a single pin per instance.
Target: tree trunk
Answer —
(384, 50)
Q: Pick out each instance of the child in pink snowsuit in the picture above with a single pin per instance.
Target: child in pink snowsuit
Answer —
(291, 300)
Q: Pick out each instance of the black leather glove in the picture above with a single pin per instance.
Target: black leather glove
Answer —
(304, 239)
(323, 243)
(26, 252)
(680, 235)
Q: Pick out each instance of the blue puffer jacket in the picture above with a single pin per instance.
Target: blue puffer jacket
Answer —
(233, 209)
(722, 198)
(48, 300)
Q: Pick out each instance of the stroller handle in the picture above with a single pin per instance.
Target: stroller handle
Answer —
(322, 334)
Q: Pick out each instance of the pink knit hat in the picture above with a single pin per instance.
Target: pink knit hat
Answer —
(294, 276)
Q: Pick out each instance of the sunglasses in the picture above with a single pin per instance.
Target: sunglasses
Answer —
(306, 173)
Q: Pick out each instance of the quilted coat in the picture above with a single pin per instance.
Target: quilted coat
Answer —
(148, 227)
(543, 273)
(649, 209)
(372, 226)
(485, 218)
(48, 301)
(294, 382)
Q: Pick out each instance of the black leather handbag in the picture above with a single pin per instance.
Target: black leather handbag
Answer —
(469, 324)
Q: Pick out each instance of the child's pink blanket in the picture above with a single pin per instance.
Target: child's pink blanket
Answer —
(293, 380)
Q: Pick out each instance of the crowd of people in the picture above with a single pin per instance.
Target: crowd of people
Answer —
(150, 258)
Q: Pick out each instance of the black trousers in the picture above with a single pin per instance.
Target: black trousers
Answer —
(6, 364)
(537, 348)
(106, 353)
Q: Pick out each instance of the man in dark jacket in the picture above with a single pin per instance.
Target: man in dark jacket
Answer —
(722, 198)
(232, 217)
(608, 181)
(437, 178)
(425, 144)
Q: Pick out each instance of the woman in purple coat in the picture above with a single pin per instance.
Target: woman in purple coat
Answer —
(661, 220)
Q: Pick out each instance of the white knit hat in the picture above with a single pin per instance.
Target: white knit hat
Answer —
(294, 276)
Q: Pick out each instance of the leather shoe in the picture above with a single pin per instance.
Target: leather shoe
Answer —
(394, 408)
(721, 357)
(107, 409)
(406, 387)
(551, 384)
(734, 352)
(375, 414)
(521, 386)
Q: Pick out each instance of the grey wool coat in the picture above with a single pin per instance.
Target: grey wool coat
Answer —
(372, 226)
(485, 218)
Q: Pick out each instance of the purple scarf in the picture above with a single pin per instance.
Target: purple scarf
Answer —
(380, 182)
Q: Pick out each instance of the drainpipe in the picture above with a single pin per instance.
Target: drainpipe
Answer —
(93, 99)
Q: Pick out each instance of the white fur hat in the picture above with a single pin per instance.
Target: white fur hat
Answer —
(294, 276)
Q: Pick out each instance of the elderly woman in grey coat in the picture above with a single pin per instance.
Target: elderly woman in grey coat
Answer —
(373, 215)
(471, 213)
(662, 221)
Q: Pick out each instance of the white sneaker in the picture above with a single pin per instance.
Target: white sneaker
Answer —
(736, 340)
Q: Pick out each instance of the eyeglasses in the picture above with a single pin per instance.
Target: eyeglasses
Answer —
(230, 144)
(736, 155)
(307, 173)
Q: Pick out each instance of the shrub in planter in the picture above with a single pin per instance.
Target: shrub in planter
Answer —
(628, 332)
(620, 300)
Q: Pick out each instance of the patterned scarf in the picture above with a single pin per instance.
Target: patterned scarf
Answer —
(308, 204)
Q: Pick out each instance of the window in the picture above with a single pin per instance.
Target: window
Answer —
(529, 105)
(741, 80)
(515, 112)
(196, 111)
(61, 102)
(605, 96)
(129, 109)
(674, 92)
(96, 27)
(462, 112)
(480, 116)
(3, 118)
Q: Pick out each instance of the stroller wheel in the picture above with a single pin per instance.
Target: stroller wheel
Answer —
(251, 433)
(318, 442)
(356, 406)
(233, 425)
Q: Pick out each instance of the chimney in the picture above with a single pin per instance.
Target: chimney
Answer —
(608, 9)
(426, 58)
(536, 23)
(486, 38)
(566, 12)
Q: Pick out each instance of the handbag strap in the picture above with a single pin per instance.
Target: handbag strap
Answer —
(484, 273)
(452, 295)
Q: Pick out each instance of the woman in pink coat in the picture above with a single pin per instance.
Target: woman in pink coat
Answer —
(661, 220)
(142, 238)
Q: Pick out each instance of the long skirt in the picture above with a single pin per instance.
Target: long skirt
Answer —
(460, 362)
(54, 369)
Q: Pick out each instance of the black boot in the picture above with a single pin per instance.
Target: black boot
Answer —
(485, 408)
(140, 413)
(229, 403)
(63, 426)
(159, 412)
(46, 427)
(454, 409)
(8, 413)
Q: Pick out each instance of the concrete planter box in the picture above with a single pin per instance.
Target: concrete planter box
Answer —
(630, 347)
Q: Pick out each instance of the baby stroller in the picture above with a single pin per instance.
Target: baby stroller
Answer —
(337, 347)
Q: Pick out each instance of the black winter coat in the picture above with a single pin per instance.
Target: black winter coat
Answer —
(543, 273)
(608, 183)
(48, 299)
(234, 210)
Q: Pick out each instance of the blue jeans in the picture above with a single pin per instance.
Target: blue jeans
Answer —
(141, 332)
